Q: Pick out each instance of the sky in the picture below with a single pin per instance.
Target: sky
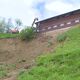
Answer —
(27, 10)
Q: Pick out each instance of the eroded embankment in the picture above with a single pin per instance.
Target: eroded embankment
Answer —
(16, 54)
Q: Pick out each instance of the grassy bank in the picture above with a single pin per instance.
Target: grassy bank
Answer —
(6, 35)
(63, 64)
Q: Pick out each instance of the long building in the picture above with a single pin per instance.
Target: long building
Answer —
(57, 22)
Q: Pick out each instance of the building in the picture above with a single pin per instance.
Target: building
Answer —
(57, 22)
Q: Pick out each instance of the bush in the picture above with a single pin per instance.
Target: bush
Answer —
(61, 37)
(27, 34)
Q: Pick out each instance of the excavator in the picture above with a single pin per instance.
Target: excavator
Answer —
(34, 21)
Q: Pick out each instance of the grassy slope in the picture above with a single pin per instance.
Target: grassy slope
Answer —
(6, 35)
(63, 64)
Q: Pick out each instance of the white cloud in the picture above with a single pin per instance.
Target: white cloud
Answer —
(57, 7)
(18, 9)
(25, 10)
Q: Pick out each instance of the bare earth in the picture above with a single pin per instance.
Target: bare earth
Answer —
(18, 54)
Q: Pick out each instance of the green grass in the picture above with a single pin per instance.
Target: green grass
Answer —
(3, 71)
(61, 38)
(63, 64)
(7, 35)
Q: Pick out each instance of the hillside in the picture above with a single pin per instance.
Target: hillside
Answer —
(17, 55)
(62, 64)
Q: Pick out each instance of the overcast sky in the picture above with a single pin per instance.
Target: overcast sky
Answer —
(27, 10)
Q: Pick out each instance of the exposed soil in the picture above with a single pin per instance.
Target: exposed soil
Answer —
(18, 54)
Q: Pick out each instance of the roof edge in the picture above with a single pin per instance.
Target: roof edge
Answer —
(58, 15)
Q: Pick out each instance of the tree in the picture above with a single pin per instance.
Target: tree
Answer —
(9, 25)
(2, 25)
(18, 23)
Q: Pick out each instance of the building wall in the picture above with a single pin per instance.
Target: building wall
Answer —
(58, 22)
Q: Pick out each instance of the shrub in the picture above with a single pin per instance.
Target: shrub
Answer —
(27, 34)
(61, 37)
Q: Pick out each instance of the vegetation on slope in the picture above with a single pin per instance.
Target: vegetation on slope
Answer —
(3, 72)
(8, 35)
(27, 34)
(63, 64)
